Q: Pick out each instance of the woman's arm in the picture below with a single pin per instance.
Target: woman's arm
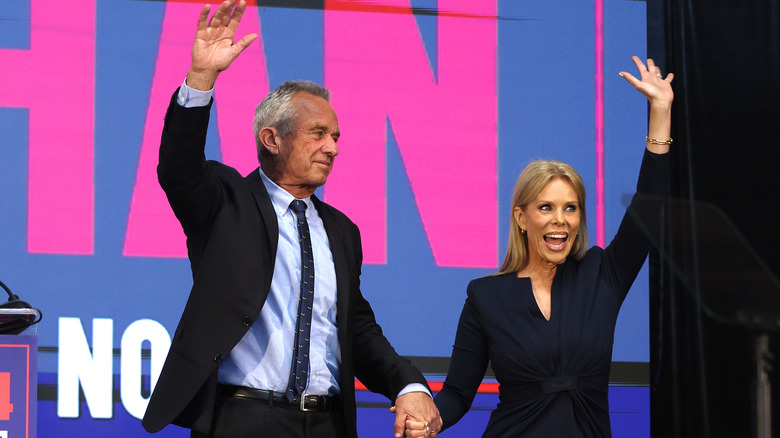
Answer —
(626, 253)
(467, 365)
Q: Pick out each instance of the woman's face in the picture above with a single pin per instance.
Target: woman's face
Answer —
(552, 222)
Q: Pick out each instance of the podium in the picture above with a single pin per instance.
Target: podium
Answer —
(14, 321)
(19, 374)
(725, 276)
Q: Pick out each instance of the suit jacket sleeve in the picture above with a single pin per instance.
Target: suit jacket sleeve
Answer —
(377, 364)
(366, 353)
(182, 171)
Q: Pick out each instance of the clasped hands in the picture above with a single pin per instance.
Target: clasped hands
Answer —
(416, 416)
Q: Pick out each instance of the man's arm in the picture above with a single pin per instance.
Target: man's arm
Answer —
(382, 370)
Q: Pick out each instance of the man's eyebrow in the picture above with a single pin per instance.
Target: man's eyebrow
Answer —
(318, 126)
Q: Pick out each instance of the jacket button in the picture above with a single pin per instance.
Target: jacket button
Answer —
(219, 357)
(247, 321)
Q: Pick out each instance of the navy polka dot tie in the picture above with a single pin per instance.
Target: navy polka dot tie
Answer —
(300, 361)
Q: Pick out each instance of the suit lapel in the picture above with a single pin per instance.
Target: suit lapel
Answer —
(266, 208)
(338, 251)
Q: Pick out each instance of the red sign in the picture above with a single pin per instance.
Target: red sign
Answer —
(18, 385)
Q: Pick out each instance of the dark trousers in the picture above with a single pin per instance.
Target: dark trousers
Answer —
(246, 418)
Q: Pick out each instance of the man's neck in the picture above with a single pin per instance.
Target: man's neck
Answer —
(299, 191)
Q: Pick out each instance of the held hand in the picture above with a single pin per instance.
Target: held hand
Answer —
(651, 82)
(214, 49)
(416, 428)
(418, 410)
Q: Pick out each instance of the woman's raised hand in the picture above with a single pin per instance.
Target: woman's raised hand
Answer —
(651, 82)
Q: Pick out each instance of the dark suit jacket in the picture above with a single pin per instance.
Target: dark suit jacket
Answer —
(232, 236)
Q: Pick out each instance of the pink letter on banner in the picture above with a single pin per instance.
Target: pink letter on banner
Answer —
(377, 68)
(152, 229)
(62, 120)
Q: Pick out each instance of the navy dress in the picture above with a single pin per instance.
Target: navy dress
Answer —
(554, 374)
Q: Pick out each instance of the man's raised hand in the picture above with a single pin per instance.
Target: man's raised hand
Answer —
(214, 48)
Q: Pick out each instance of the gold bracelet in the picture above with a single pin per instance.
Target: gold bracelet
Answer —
(654, 141)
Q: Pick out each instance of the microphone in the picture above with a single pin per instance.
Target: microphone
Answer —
(13, 299)
(13, 322)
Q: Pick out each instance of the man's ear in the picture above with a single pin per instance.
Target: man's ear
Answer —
(269, 138)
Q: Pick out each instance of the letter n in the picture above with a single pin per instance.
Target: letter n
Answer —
(445, 122)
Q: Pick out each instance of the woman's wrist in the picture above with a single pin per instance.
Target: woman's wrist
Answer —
(660, 107)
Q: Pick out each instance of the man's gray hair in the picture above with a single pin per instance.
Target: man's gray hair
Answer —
(276, 111)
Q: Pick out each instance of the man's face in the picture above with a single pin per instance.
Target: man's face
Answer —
(307, 153)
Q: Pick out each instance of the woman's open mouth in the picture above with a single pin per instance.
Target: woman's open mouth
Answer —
(556, 241)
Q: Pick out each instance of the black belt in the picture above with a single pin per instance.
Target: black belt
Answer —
(304, 402)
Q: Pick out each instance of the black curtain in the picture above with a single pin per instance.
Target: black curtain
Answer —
(726, 60)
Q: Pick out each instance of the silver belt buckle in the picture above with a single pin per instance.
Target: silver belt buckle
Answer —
(303, 407)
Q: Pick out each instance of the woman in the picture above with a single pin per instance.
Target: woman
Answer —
(546, 320)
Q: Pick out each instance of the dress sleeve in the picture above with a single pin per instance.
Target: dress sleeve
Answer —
(467, 365)
(625, 255)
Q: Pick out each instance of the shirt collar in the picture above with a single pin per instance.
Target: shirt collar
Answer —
(281, 198)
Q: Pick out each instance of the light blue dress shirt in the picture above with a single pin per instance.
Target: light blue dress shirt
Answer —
(271, 337)
(262, 358)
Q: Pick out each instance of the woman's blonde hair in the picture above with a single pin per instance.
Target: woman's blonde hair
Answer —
(529, 184)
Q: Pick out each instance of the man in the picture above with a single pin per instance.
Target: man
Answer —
(252, 356)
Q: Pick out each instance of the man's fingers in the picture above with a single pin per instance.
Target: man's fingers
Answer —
(223, 14)
(216, 19)
(235, 18)
(399, 426)
(244, 42)
(203, 19)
